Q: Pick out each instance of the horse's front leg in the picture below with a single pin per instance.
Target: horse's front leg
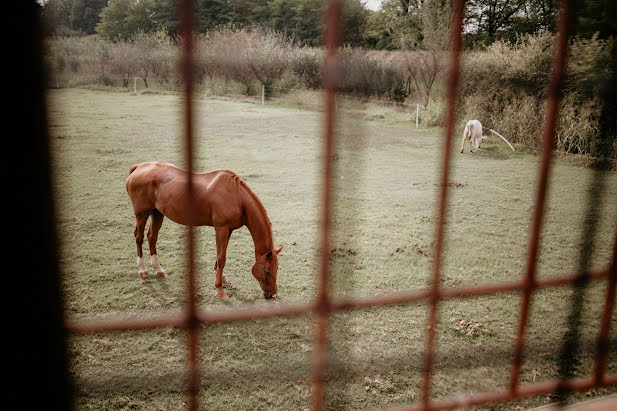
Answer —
(222, 238)
(216, 265)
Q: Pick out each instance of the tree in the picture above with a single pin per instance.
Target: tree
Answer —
(435, 20)
(488, 17)
(84, 14)
(212, 14)
(147, 50)
(395, 26)
(595, 16)
(123, 64)
(56, 15)
(354, 22)
(423, 67)
(542, 14)
(123, 19)
(164, 16)
(300, 19)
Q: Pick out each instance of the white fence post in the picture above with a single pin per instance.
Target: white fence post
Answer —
(417, 113)
(135, 85)
(263, 94)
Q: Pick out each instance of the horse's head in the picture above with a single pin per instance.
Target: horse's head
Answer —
(264, 270)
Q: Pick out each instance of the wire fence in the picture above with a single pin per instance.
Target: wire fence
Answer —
(324, 306)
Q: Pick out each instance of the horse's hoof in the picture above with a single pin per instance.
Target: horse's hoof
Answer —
(144, 274)
(222, 296)
(161, 274)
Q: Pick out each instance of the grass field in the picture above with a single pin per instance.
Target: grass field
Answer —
(386, 175)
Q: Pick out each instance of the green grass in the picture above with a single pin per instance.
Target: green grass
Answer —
(386, 179)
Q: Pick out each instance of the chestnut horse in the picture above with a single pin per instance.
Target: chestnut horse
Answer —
(222, 200)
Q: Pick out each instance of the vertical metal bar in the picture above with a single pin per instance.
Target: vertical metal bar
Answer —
(42, 316)
(320, 354)
(186, 30)
(554, 96)
(457, 26)
(605, 325)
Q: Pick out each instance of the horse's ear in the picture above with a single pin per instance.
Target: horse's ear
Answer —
(278, 250)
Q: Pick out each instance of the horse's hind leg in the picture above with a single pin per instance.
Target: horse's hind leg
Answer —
(140, 227)
(153, 235)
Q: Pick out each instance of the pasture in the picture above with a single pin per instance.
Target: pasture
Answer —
(386, 175)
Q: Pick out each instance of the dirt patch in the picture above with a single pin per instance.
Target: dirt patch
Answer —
(452, 184)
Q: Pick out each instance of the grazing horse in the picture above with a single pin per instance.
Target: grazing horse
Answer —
(221, 200)
(473, 133)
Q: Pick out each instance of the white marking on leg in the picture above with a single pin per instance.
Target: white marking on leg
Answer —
(155, 263)
(143, 272)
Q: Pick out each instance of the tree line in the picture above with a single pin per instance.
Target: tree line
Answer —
(397, 54)
(398, 25)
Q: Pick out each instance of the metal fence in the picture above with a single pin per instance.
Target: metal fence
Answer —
(323, 305)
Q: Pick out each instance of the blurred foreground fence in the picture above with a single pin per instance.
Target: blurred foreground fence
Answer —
(323, 305)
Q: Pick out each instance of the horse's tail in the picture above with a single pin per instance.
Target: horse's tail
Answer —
(467, 131)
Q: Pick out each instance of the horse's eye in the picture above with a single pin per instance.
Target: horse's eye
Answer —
(267, 271)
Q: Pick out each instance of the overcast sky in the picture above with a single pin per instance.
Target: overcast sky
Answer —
(373, 4)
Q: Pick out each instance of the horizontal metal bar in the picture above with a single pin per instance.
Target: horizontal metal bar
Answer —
(252, 313)
(522, 391)
(469, 291)
(91, 326)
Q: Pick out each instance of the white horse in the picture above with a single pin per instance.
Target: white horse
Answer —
(473, 132)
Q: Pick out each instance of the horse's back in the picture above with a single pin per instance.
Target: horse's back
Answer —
(473, 128)
(162, 186)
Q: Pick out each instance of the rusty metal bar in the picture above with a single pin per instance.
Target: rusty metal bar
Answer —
(605, 325)
(554, 96)
(463, 292)
(457, 27)
(322, 309)
(186, 14)
(191, 318)
(529, 390)
(251, 313)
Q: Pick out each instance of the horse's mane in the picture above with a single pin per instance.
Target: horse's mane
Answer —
(240, 181)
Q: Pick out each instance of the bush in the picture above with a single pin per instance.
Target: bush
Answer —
(505, 87)
(369, 74)
(154, 53)
(97, 59)
(230, 54)
(520, 68)
(60, 63)
(306, 66)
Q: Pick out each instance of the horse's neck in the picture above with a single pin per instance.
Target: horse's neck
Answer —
(258, 224)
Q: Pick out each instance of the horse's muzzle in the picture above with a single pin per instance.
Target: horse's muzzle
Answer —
(269, 295)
